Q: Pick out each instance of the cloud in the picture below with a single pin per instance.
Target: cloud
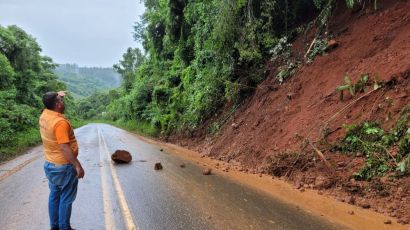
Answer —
(89, 33)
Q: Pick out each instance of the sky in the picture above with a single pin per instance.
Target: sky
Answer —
(92, 33)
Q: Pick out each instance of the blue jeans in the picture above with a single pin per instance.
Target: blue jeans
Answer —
(62, 181)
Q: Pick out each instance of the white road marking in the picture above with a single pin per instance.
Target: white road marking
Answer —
(108, 210)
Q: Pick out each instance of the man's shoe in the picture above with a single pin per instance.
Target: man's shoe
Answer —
(54, 228)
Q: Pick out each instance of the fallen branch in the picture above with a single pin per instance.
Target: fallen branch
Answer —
(326, 123)
(320, 154)
(310, 47)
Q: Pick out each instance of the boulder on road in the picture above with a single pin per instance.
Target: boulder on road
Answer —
(121, 156)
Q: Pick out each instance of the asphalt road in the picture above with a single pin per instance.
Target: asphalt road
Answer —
(135, 196)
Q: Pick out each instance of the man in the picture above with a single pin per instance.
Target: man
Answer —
(62, 167)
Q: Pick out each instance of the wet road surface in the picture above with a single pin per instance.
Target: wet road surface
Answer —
(135, 196)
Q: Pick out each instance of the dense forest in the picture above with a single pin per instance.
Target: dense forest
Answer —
(24, 76)
(84, 81)
(202, 55)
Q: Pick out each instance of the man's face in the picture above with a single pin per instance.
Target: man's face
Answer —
(60, 104)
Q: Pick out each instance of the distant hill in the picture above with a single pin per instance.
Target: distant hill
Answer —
(83, 81)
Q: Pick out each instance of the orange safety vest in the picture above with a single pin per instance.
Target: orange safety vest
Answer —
(52, 151)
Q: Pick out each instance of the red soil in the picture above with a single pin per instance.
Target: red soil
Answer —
(277, 118)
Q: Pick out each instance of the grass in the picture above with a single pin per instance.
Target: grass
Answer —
(22, 142)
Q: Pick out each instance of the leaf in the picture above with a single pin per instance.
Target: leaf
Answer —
(401, 166)
(350, 3)
(351, 91)
(372, 130)
(364, 78)
(347, 80)
(376, 86)
(342, 87)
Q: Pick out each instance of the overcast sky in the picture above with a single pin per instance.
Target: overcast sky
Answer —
(85, 32)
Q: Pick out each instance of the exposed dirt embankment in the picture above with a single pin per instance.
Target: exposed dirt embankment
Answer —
(281, 120)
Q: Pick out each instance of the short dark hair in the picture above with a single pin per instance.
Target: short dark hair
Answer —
(50, 99)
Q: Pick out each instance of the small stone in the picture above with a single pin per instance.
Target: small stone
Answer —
(298, 185)
(341, 163)
(322, 182)
(365, 205)
(320, 193)
(403, 221)
(387, 221)
(350, 212)
(161, 150)
(182, 165)
(302, 189)
(207, 171)
(305, 186)
(158, 166)
(332, 44)
(350, 199)
(260, 175)
(289, 96)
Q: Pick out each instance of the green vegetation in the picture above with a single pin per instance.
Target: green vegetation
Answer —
(24, 76)
(94, 106)
(201, 55)
(84, 81)
(319, 48)
(135, 126)
(354, 88)
(384, 151)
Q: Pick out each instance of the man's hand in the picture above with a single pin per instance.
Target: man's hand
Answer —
(69, 155)
(80, 171)
(62, 93)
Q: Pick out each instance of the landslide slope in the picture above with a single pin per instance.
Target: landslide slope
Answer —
(271, 131)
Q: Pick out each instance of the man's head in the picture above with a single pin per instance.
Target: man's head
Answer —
(54, 101)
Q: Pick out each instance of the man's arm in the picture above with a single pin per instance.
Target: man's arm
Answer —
(69, 155)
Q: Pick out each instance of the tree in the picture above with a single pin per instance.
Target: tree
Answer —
(128, 65)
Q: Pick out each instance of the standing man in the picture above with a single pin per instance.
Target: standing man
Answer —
(62, 167)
